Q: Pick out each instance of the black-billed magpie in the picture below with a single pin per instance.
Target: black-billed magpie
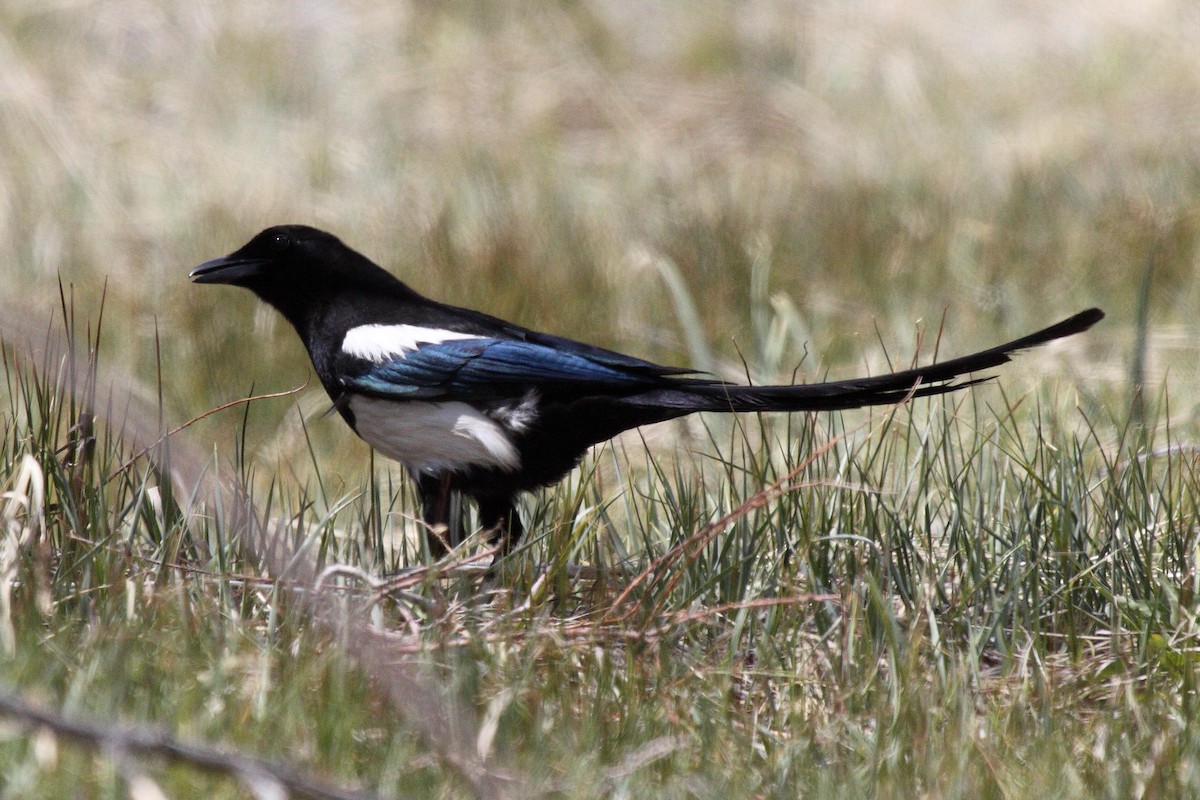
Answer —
(471, 403)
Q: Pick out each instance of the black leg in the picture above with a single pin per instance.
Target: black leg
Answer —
(498, 514)
(436, 508)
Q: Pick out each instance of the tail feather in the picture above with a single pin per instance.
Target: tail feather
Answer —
(687, 397)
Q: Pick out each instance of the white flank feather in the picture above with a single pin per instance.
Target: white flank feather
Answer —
(433, 437)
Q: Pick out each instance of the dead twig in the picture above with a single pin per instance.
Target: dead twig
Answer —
(240, 401)
(146, 740)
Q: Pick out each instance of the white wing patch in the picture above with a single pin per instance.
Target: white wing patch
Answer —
(379, 342)
(433, 437)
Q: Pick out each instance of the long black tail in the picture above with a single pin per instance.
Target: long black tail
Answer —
(858, 392)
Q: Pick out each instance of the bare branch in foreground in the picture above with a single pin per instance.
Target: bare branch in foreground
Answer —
(445, 721)
(157, 742)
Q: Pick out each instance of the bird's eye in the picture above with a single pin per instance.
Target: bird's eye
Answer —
(281, 242)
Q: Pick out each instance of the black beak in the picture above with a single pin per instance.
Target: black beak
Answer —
(228, 269)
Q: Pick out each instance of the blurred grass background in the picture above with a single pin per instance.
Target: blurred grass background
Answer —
(862, 166)
(820, 183)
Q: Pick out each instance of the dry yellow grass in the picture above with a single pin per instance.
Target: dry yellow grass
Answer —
(802, 175)
(848, 166)
(810, 172)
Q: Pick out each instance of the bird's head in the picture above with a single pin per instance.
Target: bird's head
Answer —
(282, 254)
(289, 266)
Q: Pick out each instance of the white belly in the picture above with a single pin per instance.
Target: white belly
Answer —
(433, 437)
